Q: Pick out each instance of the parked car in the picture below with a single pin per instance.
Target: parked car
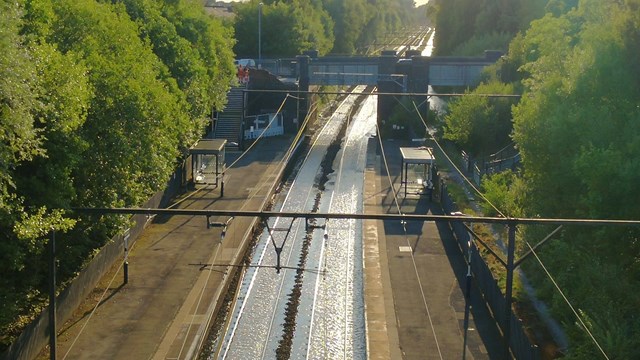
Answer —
(245, 62)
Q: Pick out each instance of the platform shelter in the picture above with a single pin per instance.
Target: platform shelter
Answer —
(418, 167)
(207, 161)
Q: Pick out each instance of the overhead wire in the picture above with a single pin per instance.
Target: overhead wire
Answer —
(426, 127)
(171, 206)
(285, 158)
(259, 136)
(239, 157)
(289, 153)
(93, 311)
(404, 226)
(555, 284)
(526, 242)
(202, 291)
(376, 93)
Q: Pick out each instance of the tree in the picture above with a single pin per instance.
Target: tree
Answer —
(480, 124)
(287, 29)
(43, 96)
(578, 131)
(95, 109)
(461, 22)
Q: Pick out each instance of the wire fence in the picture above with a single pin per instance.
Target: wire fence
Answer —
(478, 168)
(521, 346)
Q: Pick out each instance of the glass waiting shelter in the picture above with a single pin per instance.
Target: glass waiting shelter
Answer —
(417, 169)
(207, 161)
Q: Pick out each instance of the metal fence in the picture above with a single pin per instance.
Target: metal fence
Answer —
(477, 169)
(520, 344)
(280, 67)
(36, 335)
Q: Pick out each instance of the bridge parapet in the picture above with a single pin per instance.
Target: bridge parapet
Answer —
(390, 73)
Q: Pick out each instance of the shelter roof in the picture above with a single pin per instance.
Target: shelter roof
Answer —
(417, 155)
(208, 147)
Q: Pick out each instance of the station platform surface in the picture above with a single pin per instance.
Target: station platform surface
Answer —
(178, 275)
(177, 269)
(414, 279)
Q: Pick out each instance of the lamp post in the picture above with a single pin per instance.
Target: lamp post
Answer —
(260, 36)
(52, 296)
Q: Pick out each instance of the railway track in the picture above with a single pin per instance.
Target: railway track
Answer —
(403, 41)
(301, 297)
(268, 318)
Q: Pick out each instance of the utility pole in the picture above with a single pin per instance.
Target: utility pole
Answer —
(511, 247)
(260, 36)
(52, 296)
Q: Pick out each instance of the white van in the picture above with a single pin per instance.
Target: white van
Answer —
(245, 62)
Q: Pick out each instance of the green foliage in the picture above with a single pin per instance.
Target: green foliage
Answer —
(350, 19)
(336, 26)
(477, 44)
(214, 42)
(502, 190)
(19, 139)
(460, 198)
(97, 101)
(480, 124)
(404, 121)
(99, 98)
(578, 131)
(472, 22)
(287, 29)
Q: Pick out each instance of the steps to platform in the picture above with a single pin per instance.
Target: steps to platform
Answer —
(229, 123)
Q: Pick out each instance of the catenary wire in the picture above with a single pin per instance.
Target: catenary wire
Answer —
(532, 250)
(364, 93)
(555, 284)
(456, 167)
(171, 206)
(308, 195)
(95, 307)
(259, 136)
(284, 159)
(289, 153)
(415, 267)
(202, 291)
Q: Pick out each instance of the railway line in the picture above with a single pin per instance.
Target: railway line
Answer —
(413, 39)
(302, 295)
(260, 325)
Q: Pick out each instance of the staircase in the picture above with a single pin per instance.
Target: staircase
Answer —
(229, 123)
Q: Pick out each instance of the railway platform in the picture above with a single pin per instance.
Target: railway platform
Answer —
(414, 278)
(178, 272)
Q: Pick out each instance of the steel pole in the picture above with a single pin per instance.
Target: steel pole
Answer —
(467, 301)
(52, 296)
(260, 36)
(509, 288)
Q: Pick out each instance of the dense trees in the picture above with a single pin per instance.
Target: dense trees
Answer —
(97, 101)
(288, 28)
(329, 26)
(577, 128)
(481, 125)
(462, 23)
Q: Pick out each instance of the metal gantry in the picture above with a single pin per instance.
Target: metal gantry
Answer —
(510, 264)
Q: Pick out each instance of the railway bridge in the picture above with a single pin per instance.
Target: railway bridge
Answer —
(391, 73)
